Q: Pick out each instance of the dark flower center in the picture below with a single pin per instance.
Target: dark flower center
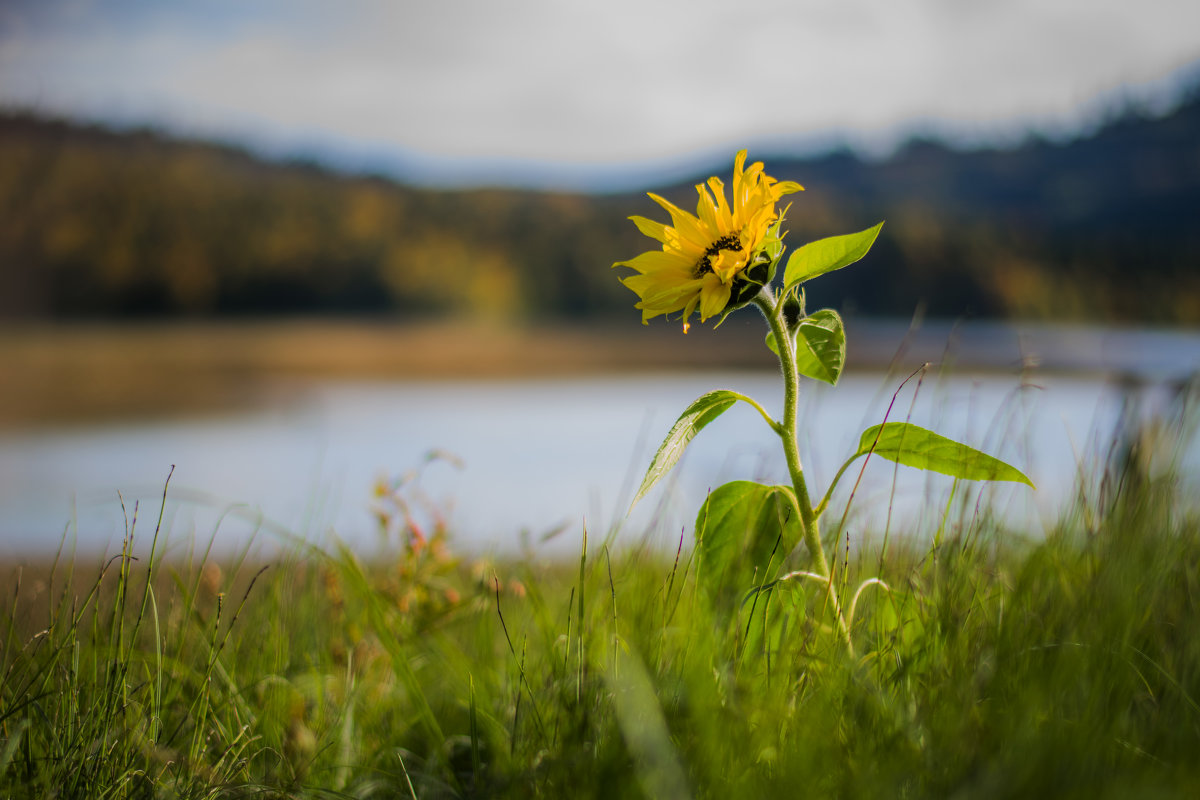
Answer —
(731, 241)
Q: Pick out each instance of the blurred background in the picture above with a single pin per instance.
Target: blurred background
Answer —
(292, 246)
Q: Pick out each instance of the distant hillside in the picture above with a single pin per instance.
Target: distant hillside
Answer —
(96, 223)
(102, 224)
(1103, 227)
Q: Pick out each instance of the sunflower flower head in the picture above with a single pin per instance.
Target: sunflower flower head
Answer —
(716, 260)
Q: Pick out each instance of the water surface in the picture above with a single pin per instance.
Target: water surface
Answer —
(536, 456)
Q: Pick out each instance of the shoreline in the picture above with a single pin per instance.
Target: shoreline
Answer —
(91, 372)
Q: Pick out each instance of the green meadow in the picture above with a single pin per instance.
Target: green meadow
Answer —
(986, 662)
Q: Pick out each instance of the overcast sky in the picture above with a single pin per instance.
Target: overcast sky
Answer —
(568, 88)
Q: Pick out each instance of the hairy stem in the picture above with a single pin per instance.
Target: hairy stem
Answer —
(772, 309)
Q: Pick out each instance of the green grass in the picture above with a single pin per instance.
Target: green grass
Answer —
(994, 665)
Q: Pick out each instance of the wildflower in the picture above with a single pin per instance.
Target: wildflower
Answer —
(710, 262)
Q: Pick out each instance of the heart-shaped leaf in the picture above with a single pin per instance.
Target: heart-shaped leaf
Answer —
(738, 528)
(821, 346)
(918, 447)
(771, 344)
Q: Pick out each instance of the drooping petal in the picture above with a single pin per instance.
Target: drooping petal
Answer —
(714, 296)
(690, 309)
(669, 299)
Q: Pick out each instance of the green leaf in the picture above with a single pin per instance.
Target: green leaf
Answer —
(826, 255)
(821, 346)
(702, 411)
(915, 446)
(774, 242)
(771, 345)
(739, 527)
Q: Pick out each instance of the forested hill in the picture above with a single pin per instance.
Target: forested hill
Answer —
(104, 224)
(1103, 227)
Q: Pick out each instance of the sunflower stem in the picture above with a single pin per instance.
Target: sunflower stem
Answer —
(772, 309)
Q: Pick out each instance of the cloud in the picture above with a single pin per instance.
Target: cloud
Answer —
(586, 82)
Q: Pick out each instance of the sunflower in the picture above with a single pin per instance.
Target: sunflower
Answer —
(704, 257)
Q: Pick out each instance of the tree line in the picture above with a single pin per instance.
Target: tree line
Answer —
(101, 223)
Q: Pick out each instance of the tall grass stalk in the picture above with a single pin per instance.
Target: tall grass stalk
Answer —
(1063, 663)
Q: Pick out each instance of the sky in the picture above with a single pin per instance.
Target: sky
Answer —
(563, 92)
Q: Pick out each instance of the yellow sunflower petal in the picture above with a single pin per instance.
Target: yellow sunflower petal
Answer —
(706, 210)
(656, 261)
(669, 280)
(669, 299)
(655, 230)
(658, 289)
(691, 230)
(748, 197)
(739, 163)
(724, 215)
(714, 296)
(785, 187)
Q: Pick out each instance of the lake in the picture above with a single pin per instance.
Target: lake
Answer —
(538, 457)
